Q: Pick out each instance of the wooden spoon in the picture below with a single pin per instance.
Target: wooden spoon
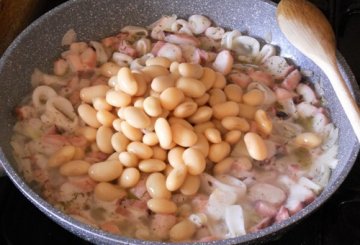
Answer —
(308, 30)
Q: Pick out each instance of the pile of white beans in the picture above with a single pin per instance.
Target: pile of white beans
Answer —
(190, 117)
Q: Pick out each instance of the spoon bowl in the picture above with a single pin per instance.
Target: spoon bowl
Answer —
(306, 27)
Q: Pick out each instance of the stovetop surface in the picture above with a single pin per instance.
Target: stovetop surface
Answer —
(336, 222)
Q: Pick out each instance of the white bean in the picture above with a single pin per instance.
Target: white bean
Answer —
(159, 153)
(255, 146)
(182, 231)
(65, 154)
(89, 93)
(128, 159)
(162, 206)
(201, 127)
(213, 135)
(220, 81)
(219, 151)
(150, 139)
(175, 157)
(163, 132)
(233, 136)
(109, 69)
(118, 98)
(129, 177)
(74, 168)
(126, 81)
(151, 165)
(203, 114)
(103, 139)
(191, 87)
(159, 84)
(171, 98)
(136, 117)
(133, 134)
(101, 104)
(108, 192)
(119, 142)
(194, 160)
(191, 70)
(152, 106)
(202, 144)
(308, 140)
(155, 70)
(176, 178)
(105, 171)
(88, 115)
(233, 92)
(217, 96)
(235, 123)
(191, 185)
(225, 109)
(183, 136)
(176, 120)
(140, 150)
(141, 81)
(156, 187)
(223, 166)
(159, 61)
(185, 109)
(89, 133)
(208, 78)
(105, 117)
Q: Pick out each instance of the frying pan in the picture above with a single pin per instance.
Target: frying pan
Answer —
(39, 44)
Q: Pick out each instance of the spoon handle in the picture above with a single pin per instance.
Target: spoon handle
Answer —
(343, 93)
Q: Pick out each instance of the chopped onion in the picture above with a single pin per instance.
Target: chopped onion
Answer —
(228, 37)
(246, 46)
(267, 192)
(101, 55)
(320, 173)
(122, 59)
(232, 181)
(329, 157)
(289, 107)
(69, 37)
(217, 229)
(139, 63)
(286, 129)
(209, 184)
(277, 66)
(217, 201)
(135, 30)
(319, 122)
(330, 134)
(305, 109)
(310, 185)
(234, 219)
(37, 77)
(165, 23)
(266, 52)
(297, 195)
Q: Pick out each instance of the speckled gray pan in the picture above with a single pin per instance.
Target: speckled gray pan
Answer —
(39, 44)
